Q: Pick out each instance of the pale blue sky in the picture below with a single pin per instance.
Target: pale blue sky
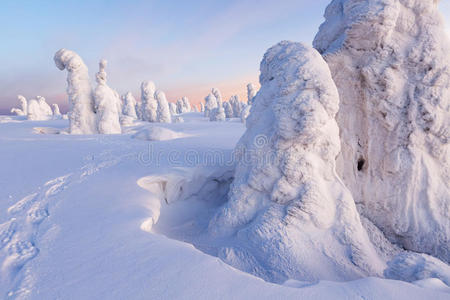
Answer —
(186, 47)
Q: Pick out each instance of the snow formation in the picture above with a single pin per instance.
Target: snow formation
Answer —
(210, 104)
(107, 104)
(149, 103)
(293, 216)
(81, 115)
(23, 106)
(389, 60)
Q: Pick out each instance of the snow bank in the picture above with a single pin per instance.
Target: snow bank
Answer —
(389, 60)
(155, 133)
(106, 104)
(81, 114)
(291, 214)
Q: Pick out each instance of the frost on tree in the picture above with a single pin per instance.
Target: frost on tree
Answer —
(390, 62)
(106, 104)
(186, 104)
(163, 111)
(210, 104)
(173, 108)
(149, 103)
(34, 111)
(291, 214)
(251, 92)
(22, 110)
(129, 108)
(217, 114)
(236, 106)
(81, 115)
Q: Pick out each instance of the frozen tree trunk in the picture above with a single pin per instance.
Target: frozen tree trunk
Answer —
(389, 60)
(129, 108)
(149, 103)
(287, 207)
(210, 104)
(106, 102)
(81, 114)
(251, 92)
(23, 106)
(163, 112)
(173, 108)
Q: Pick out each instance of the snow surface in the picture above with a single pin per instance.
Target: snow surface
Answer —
(71, 221)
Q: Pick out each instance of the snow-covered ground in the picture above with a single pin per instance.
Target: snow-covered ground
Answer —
(123, 217)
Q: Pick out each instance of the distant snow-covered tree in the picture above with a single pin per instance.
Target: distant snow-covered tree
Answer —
(186, 104)
(251, 92)
(129, 108)
(82, 119)
(106, 103)
(218, 96)
(218, 114)
(138, 109)
(163, 112)
(56, 112)
(23, 106)
(149, 103)
(210, 104)
(46, 110)
(34, 110)
(173, 108)
(236, 105)
(228, 109)
(202, 107)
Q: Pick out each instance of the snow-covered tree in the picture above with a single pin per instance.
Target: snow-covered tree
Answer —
(228, 109)
(129, 108)
(195, 108)
(138, 109)
(106, 104)
(22, 110)
(149, 103)
(210, 104)
(55, 110)
(218, 96)
(82, 117)
(390, 62)
(34, 111)
(163, 112)
(217, 114)
(287, 208)
(173, 108)
(186, 104)
(237, 106)
(46, 110)
(202, 107)
(251, 92)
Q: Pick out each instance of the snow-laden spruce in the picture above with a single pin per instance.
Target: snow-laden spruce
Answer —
(149, 104)
(236, 105)
(173, 108)
(163, 111)
(216, 92)
(81, 115)
(186, 104)
(228, 109)
(217, 114)
(22, 110)
(106, 104)
(390, 62)
(129, 108)
(251, 93)
(291, 214)
(210, 104)
(56, 111)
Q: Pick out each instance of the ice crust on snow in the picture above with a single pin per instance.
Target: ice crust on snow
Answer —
(389, 60)
(292, 214)
(82, 117)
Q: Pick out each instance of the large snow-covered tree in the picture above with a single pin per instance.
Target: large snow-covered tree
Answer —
(291, 214)
(81, 115)
(106, 104)
(149, 104)
(390, 62)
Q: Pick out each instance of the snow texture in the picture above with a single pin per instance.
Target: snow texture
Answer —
(149, 103)
(81, 115)
(107, 104)
(163, 111)
(389, 60)
(294, 217)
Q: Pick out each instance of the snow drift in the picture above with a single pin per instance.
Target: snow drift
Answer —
(293, 216)
(389, 60)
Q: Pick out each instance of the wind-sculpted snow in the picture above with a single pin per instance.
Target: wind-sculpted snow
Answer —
(81, 115)
(293, 216)
(389, 60)
(106, 104)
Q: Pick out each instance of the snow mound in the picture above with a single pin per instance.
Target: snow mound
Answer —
(156, 133)
(291, 214)
(389, 60)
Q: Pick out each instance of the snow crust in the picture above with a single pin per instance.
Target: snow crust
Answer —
(389, 60)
